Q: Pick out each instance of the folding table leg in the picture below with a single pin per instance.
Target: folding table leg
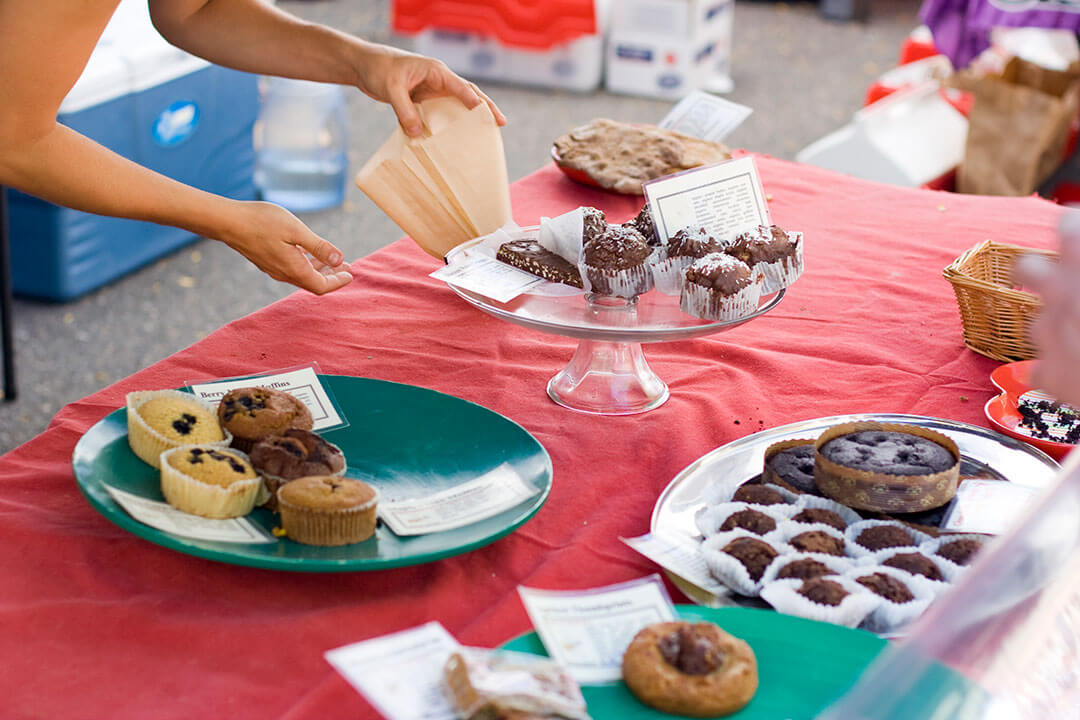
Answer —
(7, 332)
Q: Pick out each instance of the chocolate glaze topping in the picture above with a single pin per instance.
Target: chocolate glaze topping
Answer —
(689, 651)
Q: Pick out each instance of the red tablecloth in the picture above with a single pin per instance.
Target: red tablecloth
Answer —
(96, 623)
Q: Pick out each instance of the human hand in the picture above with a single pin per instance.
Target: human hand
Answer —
(284, 248)
(404, 79)
(1056, 331)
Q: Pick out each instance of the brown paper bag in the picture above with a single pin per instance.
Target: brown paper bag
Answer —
(1018, 129)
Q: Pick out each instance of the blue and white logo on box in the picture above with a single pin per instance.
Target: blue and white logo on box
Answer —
(176, 123)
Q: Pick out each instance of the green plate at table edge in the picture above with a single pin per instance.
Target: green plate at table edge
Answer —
(813, 646)
(108, 430)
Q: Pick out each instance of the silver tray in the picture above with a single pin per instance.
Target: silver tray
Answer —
(983, 452)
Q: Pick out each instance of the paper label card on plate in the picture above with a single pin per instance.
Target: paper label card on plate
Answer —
(988, 506)
(165, 517)
(302, 383)
(587, 631)
(488, 277)
(488, 495)
(401, 674)
(705, 116)
(680, 557)
(725, 199)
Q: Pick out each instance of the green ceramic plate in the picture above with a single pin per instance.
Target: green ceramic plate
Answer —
(802, 665)
(404, 439)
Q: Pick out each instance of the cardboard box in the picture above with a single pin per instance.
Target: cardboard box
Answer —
(667, 48)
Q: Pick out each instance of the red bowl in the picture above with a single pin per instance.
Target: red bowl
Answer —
(1014, 379)
(573, 173)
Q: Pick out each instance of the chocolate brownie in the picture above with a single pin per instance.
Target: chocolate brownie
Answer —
(532, 257)
(692, 243)
(880, 537)
(887, 587)
(916, 564)
(754, 554)
(960, 551)
(758, 495)
(888, 452)
(804, 569)
(818, 541)
(823, 592)
(820, 515)
(756, 522)
(795, 466)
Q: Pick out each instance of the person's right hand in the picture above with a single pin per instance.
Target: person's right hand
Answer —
(284, 248)
(1056, 331)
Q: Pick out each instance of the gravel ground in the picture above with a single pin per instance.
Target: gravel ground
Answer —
(803, 75)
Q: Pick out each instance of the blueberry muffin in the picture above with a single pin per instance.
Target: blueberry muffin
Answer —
(254, 413)
(159, 420)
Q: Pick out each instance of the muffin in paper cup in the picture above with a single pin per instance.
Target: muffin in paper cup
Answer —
(851, 611)
(749, 492)
(328, 510)
(175, 419)
(891, 614)
(773, 253)
(939, 547)
(837, 565)
(855, 530)
(669, 274)
(815, 502)
(711, 518)
(781, 273)
(628, 283)
(616, 263)
(789, 533)
(209, 481)
(730, 570)
(704, 303)
(946, 573)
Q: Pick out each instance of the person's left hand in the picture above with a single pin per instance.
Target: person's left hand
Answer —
(404, 79)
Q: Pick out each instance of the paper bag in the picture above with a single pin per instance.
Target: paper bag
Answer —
(1019, 127)
(448, 186)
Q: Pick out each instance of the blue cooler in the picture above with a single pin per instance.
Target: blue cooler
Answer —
(164, 109)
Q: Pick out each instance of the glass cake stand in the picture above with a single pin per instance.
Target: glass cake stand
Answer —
(608, 374)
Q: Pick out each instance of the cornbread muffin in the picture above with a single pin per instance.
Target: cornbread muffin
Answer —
(160, 420)
(295, 454)
(327, 510)
(254, 413)
(719, 287)
(209, 481)
(614, 263)
(690, 669)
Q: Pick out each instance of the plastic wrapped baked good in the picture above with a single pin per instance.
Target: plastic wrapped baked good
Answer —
(491, 684)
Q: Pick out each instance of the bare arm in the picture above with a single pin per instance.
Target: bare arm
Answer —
(44, 46)
(256, 37)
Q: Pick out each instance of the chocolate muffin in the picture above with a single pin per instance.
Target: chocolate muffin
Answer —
(692, 243)
(756, 522)
(960, 551)
(643, 223)
(888, 452)
(916, 564)
(879, 537)
(295, 454)
(823, 592)
(887, 587)
(254, 413)
(532, 257)
(795, 467)
(615, 262)
(755, 555)
(594, 224)
(773, 252)
(804, 569)
(818, 541)
(820, 515)
(758, 495)
(719, 287)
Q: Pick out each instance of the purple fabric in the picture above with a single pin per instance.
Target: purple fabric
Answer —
(961, 28)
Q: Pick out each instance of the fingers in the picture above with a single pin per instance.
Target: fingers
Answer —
(405, 109)
(322, 250)
(499, 117)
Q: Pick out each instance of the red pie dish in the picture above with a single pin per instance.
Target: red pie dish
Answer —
(1004, 410)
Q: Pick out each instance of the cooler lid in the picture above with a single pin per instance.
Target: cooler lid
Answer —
(539, 24)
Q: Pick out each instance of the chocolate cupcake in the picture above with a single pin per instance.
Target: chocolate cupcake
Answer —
(254, 413)
(692, 243)
(880, 537)
(295, 454)
(820, 515)
(804, 569)
(823, 592)
(643, 223)
(755, 555)
(774, 253)
(615, 263)
(818, 541)
(719, 287)
(758, 495)
(753, 520)
(959, 551)
(916, 564)
(887, 587)
(790, 464)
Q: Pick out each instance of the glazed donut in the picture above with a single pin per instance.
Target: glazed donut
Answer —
(693, 669)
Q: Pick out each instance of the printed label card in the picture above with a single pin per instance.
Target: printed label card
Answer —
(705, 116)
(988, 506)
(163, 516)
(587, 631)
(487, 276)
(725, 199)
(682, 558)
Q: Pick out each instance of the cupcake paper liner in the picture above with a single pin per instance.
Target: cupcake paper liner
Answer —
(917, 537)
(669, 274)
(889, 617)
(628, 283)
(147, 443)
(789, 529)
(930, 547)
(703, 303)
(783, 595)
(205, 499)
(730, 571)
(709, 518)
(344, 526)
(723, 492)
(273, 483)
(839, 565)
(807, 502)
(949, 571)
(783, 272)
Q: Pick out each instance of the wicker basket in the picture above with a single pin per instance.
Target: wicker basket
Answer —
(996, 316)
